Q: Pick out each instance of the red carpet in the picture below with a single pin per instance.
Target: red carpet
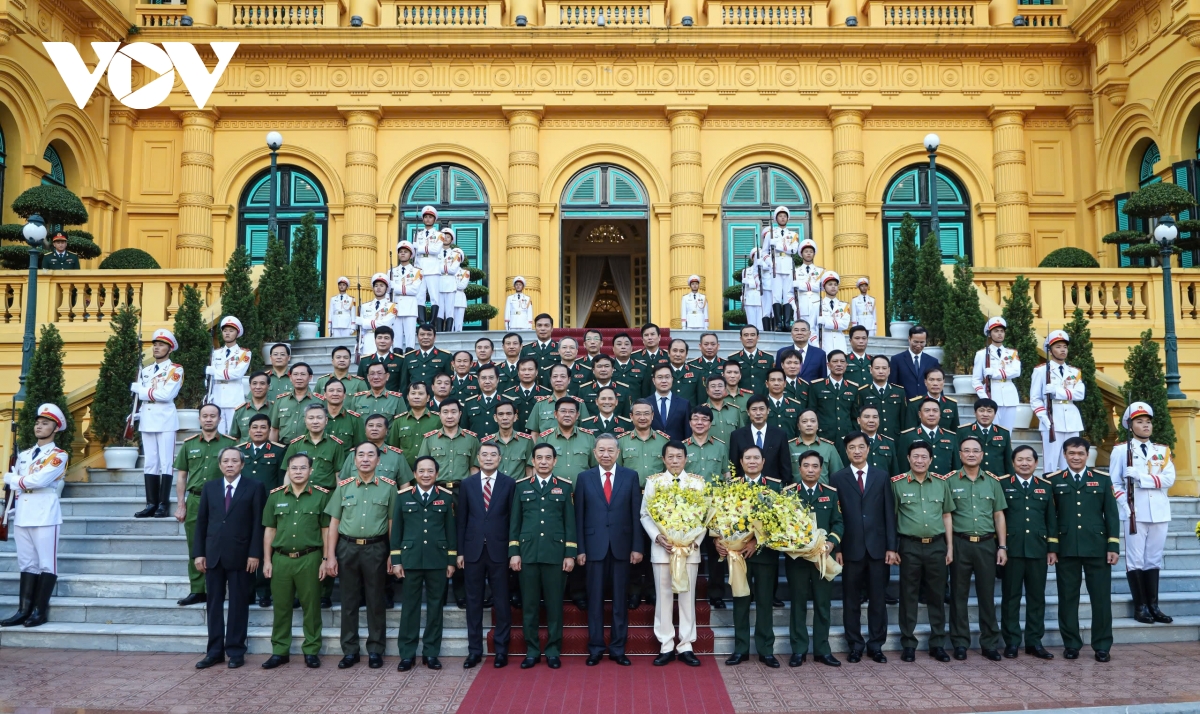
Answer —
(607, 687)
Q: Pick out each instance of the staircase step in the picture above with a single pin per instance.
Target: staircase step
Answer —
(91, 585)
(121, 545)
(120, 525)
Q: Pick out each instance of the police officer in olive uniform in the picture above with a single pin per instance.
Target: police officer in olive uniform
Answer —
(762, 572)
(288, 409)
(540, 549)
(542, 416)
(641, 449)
(803, 577)
(326, 451)
(392, 461)
(1089, 544)
(834, 399)
(421, 364)
(262, 461)
(807, 440)
(453, 447)
(997, 445)
(572, 444)
(280, 372)
(342, 357)
(726, 415)
(409, 428)
(296, 525)
(753, 362)
(393, 363)
(943, 441)
(59, 258)
(259, 404)
(424, 552)
(377, 399)
(1032, 547)
(707, 456)
(197, 462)
(516, 448)
(886, 397)
(346, 424)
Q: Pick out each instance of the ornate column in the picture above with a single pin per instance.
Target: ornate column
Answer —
(358, 240)
(194, 243)
(850, 255)
(523, 243)
(1014, 246)
(687, 189)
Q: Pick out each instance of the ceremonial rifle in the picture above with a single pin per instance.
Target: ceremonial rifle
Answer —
(1129, 486)
(358, 337)
(987, 366)
(12, 467)
(132, 418)
(1050, 398)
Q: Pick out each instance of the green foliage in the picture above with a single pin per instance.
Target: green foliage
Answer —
(475, 291)
(237, 299)
(1069, 258)
(1147, 383)
(734, 318)
(45, 383)
(929, 297)
(195, 348)
(129, 259)
(16, 257)
(277, 316)
(479, 312)
(962, 321)
(120, 367)
(904, 272)
(1018, 313)
(477, 274)
(307, 283)
(56, 205)
(1158, 199)
(1117, 237)
(1091, 409)
(733, 292)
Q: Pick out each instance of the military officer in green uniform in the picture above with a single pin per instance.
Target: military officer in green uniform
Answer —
(197, 463)
(685, 382)
(541, 549)
(59, 258)
(262, 461)
(782, 412)
(794, 387)
(453, 447)
(280, 372)
(726, 416)
(392, 461)
(886, 397)
(753, 362)
(1032, 547)
(287, 412)
(481, 408)
(408, 429)
(580, 371)
(392, 363)
(943, 441)
(377, 399)
(641, 449)
(732, 372)
(342, 358)
(463, 383)
(803, 577)
(1089, 544)
(526, 392)
(602, 373)
(345, 424)
(542, 416)
(651, 356)
(606, 420)
(506, 368)
(883, 453)
(834, 399)
(421, 364)
(543, 349)
(573, 445)
(981, 544)
(708, 364)
(935, 380)
(807, 440)
(628, 370)
(925, 528)
(516, 448)
(762, 572)
(858, 362)
(424, 552)
(296, 528)
(258, 404)
(707, 456)
(997, 445)
(357, 552)
(327, 452)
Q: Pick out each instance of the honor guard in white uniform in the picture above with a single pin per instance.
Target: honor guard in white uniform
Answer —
(408, 286)
(342, 310)
(156, 388)
(1145, 468)
(807, 283)
(460, 297)
(225, 372)
(36, 483)
(694, 308)
(1053, 401)
(427, 245)
(452, 260)
(518, 308)
(375, 313)
(862, 307)
(783, 243)
(996, 366)
(753, 278)
(833, 315)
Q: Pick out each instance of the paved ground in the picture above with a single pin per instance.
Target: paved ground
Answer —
(105, 682)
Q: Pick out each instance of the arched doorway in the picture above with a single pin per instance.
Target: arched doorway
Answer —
(605, 242)
(462, 204)
(1187, 175)
(908, 192)
(746, 206)
(298, 193)
(1149, 156)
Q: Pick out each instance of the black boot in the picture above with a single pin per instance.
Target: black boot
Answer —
(422, 314)
(1140, 612)
(789, 316)
(151, 498)
(769, 322)
(41, 600)
(448, 324)
(433, 316)
(25, 602)
(164, 496)
(1150, 592)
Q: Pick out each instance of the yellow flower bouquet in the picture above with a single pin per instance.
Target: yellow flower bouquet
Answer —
(791, 527)
(680, 513)
(736, 520)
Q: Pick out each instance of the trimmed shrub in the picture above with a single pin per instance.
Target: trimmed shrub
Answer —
(129, 259)
(1069, 258)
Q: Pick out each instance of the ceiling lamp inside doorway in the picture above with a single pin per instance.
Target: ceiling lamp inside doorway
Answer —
(606, 233)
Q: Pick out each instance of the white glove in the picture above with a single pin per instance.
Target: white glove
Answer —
(1045, 420)
(135, 387)
(11, 479)
(209, 370)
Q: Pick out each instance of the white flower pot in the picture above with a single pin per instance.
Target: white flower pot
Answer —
(1023, 417)
(1092, 454)
(307, 330)
(266, 351)
(189, 419)
(935, 352)
(900, 329)
(962, 384)
(120, 457)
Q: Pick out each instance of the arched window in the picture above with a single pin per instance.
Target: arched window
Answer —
(746, 206)
(56, 177)
(298, 193)
(1146, 177)
(908, 192)
(1149, 159)
(462, 204)
(1186, 174)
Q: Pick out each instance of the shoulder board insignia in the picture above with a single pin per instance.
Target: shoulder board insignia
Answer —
(298, 438)
(523, 435)
(998, 478)
(319, 396)
(1001, 428)
(768, 478)
(789, 487)
(487, 438)
(194, 436)
(850, 381)
(246, 443)
(885, 437)
(916, 399)
(343, 482)
(279, 488)
(542, 398)
(863, 387)
(468, 432)
(719, 441)
(827, 487)
(394, 449)
(897, 478)
(1043, 477)
(564, 479)
(1098, 471)
(400, 415)
(621, 383)
(406, 489)
(471, 399)
(827, 441)
(951, 399)
(385, 479)
(359, 394)
(281, 396)
(942, 476)
(322, 489)
(351, 412)
(331, 436)
(524, 478)
(276, 443)
(628, 433)
(396, 394)
(589, 432)
(913, 428)
(243, 404)
(547, 432)
(663, 434)
(430, 433)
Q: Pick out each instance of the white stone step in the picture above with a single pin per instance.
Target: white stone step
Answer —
(120, 525)
(108, 564)
(107, 489)
(130, 546)
(92, 585)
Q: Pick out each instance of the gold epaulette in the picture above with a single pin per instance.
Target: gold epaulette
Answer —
(279, 488)
(193, 436)
(916, 398)
(1098, 471)
(662, 434)
(563, 479)
(827, 441)
(430, 433)
(524, 478)
(851, 381)
(343, 482)
(827, 487)
(941, 476)
(716, 440)
(276, 443)
(911, 428)
(442, 489)
(244, 443)
(620, 383)
(950, 399)
(331, 436)
(400, 415)
(790, 486)
(998, 478)
(468, 432)
(406, 489)
(863, 387)
(546, 432)
(768, 478)
(298, 438)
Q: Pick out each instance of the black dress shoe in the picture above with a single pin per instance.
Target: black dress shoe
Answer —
(1039, 652)
(375, 661)
(620, 659)
(664, 658)
(1102, 656)
(580, 603)
(192, 599)
(689, 658)
(993, 655)
(403, 666)
(235, 662)
(1010, 652)
(879, 657)
(854, 657)
(960, 653)
(312, 661)
(208, 662)
(633, 602)
(1070, 653)
(776, 603)
(348, 661)
(827, 660)
(796, 660)
(889, 600)
(275, 660)
(264, 601)
(461, 604)
(592, 660)
(769, 660)
(717, 604)
(500, 661)
(326, 603)
(553, 662)
(515, 600)
(736, 658)
(940, 654)
(488, 602)
(529, 662)
(908, 654)
(431, 662)
(472, 660)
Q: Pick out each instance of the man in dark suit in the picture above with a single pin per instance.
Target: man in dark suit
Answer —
(228, 549)
(812, 358)
(608, 504)
(868, 546)
(772, 440)
(670, 410)
(908, 367)
(484, 507)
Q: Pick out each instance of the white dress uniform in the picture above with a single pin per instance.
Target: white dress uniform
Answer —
(452, 259)
(862, 312)
(1001, 366)
(1153, 474)
(783, 243)
(342, 310)
(374, 313)
(808, 289)
(1065, 388)
(408, 285)
(229, 365)
(157, 386)
(833, 320)
(463, 279)
(752, 297)
(660, 561)
(518, 309)
(38, 481)
(694, 310)
(427, 251)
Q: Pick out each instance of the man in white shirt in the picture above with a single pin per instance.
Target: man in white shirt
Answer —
(694, 308)
(342, 311)
(225, 371)
(518, 308)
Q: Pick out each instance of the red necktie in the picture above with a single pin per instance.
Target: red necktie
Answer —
(487, 493)
(608, 486)
(861, 485)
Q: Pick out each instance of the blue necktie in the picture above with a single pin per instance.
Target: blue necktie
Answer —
(758, 439)
(663, 403)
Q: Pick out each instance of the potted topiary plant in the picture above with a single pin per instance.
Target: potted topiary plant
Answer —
(1069, 258)
(476, 290)
(111, 405)
(1091, 410)
(735, 317)
(929, 296)
(1152, 202)
(307, 285)
(1018, 314)
(194, 354)
(963, 323)
(58, 207)
(904, 279)
(1146, 383)
(276, 297)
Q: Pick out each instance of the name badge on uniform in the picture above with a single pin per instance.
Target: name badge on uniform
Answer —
(556, 491)
(1093, 483)
(281, 505)
(823, 499)
(439, 503)
(1039, 490)
(997, 438)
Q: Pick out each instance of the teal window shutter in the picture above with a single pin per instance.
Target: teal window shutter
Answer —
(744, 189)
(427, 189)
(57, 176)
(585, 189)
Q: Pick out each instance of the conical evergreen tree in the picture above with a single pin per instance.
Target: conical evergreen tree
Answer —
(904, 271)
(1091, 409)
(276, 296)
(120, 367)
(963, 321)
(929, 297)
(1146, 382)
(1018, 313)
(195, 349)
(43, 384)
(237, 299)
(307, 285)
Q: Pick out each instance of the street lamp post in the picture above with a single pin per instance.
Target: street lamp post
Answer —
(1165, 234)
(274, 141)
(931, 145)
(34, 234)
